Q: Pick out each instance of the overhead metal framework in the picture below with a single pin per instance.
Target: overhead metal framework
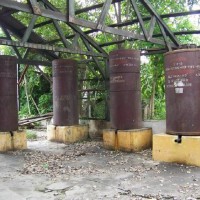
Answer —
(78, 29)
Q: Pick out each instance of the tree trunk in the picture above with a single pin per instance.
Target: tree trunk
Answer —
(35, 105)
(152, 100)
(27, 98)
(82, 72)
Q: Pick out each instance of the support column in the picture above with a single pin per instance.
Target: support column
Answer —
(65, 126)
(125, 104)
(125, 90)
(11, 138)
(65, 93)
(181, 142)
(8, 94)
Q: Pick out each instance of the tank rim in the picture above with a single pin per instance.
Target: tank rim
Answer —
(182, 50)
(125, 50)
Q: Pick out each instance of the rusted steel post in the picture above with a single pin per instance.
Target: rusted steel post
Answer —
(182, 73)
(8, 94)
(65, 92)
(125, 92)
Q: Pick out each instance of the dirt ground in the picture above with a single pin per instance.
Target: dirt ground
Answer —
(52, 171)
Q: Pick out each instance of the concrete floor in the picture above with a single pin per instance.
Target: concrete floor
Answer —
(51, 171)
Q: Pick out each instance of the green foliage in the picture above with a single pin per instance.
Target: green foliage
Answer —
(160, 111)
(31, 135)
(45, 103)
(35, 93)
(152, 81)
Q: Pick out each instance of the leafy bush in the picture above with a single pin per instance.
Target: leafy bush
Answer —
(45, 104)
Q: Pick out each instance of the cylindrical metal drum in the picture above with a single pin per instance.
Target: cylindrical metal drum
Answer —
(8, 94)
(65, 92)
(125, 91)
(182, 72)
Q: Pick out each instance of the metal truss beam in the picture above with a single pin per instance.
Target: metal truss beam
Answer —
(26, 8)
(35, 7)
(48, 63)
(83, 10)
(34, 62)
(29, 29)
(150, 8)
(134, 21)
(9, 38)
(59, 16)
(95, 59)
(54, 15)
(114, 31)
(90, 41)
(48, 48)
(61, 34)
(104, 12)
(134, 5)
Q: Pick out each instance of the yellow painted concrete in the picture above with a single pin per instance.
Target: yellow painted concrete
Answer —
(60, 133)
(110, 139)
(10, 143)
(19, 141)
(67, 134)
(187, 152)
(5, 141)
(71, 134)
(134, 140)
(128, 140)
(51, 133)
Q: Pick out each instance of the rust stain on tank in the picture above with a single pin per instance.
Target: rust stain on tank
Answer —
(8, 94)
(65, 97)
(182, 74)
(125, 94)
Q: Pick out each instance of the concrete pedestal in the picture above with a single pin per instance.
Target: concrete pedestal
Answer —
(67, 134)
(128, 140)
(96, 128)
(19, 141)
(110, 139)
(16, 142)
(167, 150)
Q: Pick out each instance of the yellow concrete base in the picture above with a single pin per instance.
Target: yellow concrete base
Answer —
(128, 140)
(110, 139)
(16, 142)
(187, 152)
(134, 140)
(19, 141)
(5, 142)
(67, 134)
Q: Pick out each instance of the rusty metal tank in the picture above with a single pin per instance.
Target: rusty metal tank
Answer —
(125, 90)
(8, 94)
(65, 92)
(182, 73)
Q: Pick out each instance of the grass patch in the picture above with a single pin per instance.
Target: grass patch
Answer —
(31, 135)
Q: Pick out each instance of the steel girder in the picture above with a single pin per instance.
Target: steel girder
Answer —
(27, 37)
